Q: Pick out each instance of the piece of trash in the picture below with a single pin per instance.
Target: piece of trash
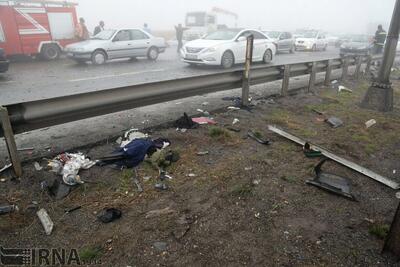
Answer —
(191, 175)
(161, 186)
(257, 215)
(311, 153)
(318, 112)
(156, 213)
(334, 122)
(183, 130)
(345, 89)
(398, 195)
(68, 165)
(256, 182)
(25, 149)
(4, 209)
(344, 162)
(119, 140)
(235, 121)
(331, 182)
(200, 110)
(131, 135)
(233, 108)
(109, 215)
(46, 221)
(370, 123)
(369, 220)
(37, 166)
(6, 167)
(3, 180)
(258, 138)
(146, 178)
(161, 246)
(185, 122)
(394, 171)
(202, 153)
(334, 82)
(248, 168)
(203, 120)
(138, 185)
(233, 129)
(204, 103)
(73, 209)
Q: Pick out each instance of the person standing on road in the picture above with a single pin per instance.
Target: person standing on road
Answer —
(99, 28)
(82, 32)
(146, 28)
(179, 35)
(379, 40)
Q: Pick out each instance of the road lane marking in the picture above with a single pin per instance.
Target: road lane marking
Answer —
(114, 75)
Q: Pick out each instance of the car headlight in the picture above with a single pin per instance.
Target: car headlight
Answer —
(210, 50)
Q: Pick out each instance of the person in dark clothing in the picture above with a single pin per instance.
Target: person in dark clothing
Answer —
(379, 40)
(179, 35)
(99, 28)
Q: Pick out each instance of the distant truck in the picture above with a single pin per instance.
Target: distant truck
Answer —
(36, 27)
(201, 23)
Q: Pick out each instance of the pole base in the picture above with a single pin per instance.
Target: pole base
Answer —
(378, 98)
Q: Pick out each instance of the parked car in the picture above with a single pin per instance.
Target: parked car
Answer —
(112, 44)
(357, 45)
(284, 41)
(312, 41)
(227, 47)
(4, 63)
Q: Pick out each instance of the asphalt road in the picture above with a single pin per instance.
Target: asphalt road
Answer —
(34, 80)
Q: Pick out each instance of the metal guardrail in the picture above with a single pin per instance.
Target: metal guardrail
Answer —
(32, 115)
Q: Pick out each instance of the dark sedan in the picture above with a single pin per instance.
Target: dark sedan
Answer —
(356, 45)
(4, 63)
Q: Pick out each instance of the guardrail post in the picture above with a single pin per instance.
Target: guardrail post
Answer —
(313, 74)
(246, 72)
(10, 141)
(328, 73)
(285, 81)
(358, 67)
(345, 68)
(368, 67)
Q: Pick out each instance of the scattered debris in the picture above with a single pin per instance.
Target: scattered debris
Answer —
(331, 182)
(258, 138)
(131, 135)
(68, 165)
(6, 167)
(345, 89)
(58, 189)
(191, 175)
(203, 120)
(237, 101)
(185, 122)
(37, 166)
(256, 181)
(233, 108)
(161, 186)
(4, 209)
(3, 180)
(46, 221)
(344, 162)
(235, 121)
(161, 246)
(206, 113)
(109, 215)
(138, 185)
(73, 209)
(248, 168)
(334, 122)
(146, 178)
(156, 213)
(311, 153)
(204, 104)
(257, 215)
(202, 153)
(25, 149)
(318, 112)
(398, 195)
(370, 123)
(334, 82)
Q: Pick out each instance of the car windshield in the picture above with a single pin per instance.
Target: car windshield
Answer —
(310, 34)
(222, 35)
(104, 35)
(272, 34)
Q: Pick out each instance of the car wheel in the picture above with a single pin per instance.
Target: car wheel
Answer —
(314, 48)
(99, 57)
(267, 58)
(292, 49)
(50, 52)
(227, 60)
(152, 54)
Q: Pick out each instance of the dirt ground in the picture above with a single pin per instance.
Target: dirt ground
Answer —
(246, 204)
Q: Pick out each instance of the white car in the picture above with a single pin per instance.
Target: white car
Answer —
(312, 41)
(227, 47)
(112, 44)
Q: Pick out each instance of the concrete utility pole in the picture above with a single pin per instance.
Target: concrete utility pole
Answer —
(380, 95)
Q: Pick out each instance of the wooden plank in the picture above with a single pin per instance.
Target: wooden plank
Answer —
(328, 73)
(285, 81)
(313, 74)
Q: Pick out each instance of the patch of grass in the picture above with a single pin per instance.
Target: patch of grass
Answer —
(379, 230)
(279, 117)
(219, 133)
(289, 179)
(125, 183)
(258, 134)
(90, 253)
(243, 190)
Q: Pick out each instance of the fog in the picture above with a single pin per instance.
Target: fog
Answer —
(337, 16)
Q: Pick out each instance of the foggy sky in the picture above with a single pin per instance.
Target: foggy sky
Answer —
(340, 16)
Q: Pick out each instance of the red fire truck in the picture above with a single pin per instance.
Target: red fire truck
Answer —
(36, 27)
